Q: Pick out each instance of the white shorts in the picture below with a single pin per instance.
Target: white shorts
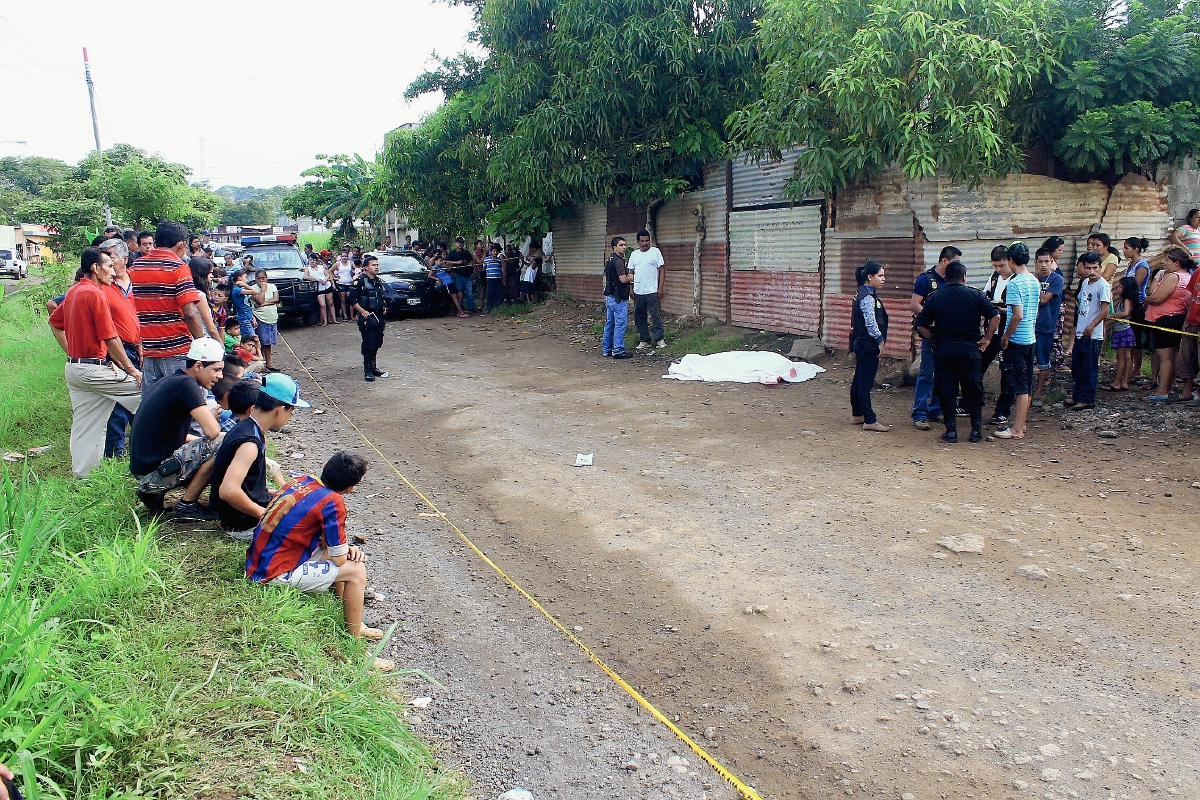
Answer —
(311, 576)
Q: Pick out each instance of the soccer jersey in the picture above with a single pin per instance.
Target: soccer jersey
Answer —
(303, 516)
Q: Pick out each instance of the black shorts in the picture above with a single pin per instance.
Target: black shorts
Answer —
(1016, 363)
(1161, 340)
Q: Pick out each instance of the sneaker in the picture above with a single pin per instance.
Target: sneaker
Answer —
(379, 373)
(961, 412)
(976, 436)
(998, 419)
(606, 355)
(369, 377)
(921, 424)
(153, 502)
(194, 511)
(643, 346)
(950, 437)
(1004, 433)
(621, 355)
(661, 343)
(877, 427)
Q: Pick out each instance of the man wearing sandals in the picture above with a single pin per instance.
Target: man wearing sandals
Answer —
(301, 541)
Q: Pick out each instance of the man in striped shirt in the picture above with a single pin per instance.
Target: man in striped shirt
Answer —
(301, 540)
(167, 304)
(493, 270)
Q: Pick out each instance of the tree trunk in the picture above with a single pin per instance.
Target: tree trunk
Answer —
(701, 228)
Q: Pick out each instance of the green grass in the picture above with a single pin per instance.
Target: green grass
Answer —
(137, 661)
(705, 341)
(513, 310)
(319, 241)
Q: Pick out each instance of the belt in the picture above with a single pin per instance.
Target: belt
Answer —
(98, 361)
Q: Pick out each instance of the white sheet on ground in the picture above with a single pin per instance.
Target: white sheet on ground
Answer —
(742, 366)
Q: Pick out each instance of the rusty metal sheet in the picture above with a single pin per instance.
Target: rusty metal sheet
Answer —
(1138, 207)
(837, 325)
(624, 219)
(876, 209)
(675, 221)
(785, 302)
(762, 183)
(899, 256)
(581, 287)
(977, 255)
(776, 240)
(1017, 206)
(580, 244)
(678, 283)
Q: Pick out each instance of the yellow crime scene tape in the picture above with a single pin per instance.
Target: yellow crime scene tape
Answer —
(1158, 328)
(745, 791)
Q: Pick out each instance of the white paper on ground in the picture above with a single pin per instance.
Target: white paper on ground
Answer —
(583, 459)
(742, 366)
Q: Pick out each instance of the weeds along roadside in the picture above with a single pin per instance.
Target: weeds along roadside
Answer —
(137, 660)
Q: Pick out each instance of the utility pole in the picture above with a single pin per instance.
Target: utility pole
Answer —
(87, 73)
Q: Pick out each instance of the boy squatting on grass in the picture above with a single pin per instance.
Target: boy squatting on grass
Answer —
(301, 540)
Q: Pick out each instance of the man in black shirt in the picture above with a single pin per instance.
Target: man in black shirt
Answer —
(239, 476)
(366, 298)
(459, 262)
(162, 455)
(951, 319)
(616, 301)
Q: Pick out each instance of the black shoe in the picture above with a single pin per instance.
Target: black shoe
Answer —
(951, 437)
(998, 419)
(378, 373)
(369, 377)
(152, 502)
(194, 511)
(976, 435)
(621, 355)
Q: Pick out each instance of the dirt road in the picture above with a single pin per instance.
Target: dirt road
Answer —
(769, 574)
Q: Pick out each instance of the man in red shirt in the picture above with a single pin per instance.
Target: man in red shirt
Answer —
(99, 374)
(129, 329)
(167, 304)
(1187, 363)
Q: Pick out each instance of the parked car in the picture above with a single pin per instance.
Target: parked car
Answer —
(13, 265)
(407, 285)
(280, 257)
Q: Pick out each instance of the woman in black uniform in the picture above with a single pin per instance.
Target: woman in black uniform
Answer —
(869, 326)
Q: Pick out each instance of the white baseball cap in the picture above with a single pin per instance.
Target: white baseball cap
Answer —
(206, 350)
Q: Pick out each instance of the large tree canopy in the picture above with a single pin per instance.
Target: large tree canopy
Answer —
(921, 83)
(343, 189)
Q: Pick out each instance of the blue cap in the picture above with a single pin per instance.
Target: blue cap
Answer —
(283, 389)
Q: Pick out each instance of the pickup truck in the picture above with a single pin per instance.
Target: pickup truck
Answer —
(12, 265)
(280, 257)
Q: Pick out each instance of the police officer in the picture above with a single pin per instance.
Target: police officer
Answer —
(366, 298)
(951, 321)
(926, 408)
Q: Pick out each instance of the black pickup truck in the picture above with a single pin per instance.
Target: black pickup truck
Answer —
(280, 257)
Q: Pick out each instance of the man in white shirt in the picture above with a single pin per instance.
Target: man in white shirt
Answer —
(649, 275)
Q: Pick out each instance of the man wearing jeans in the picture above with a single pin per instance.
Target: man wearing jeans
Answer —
(167, 304)
(649, 275)
(926, 408)
(616, 301)
(461, 266)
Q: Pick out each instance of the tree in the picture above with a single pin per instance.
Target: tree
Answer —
(247, 212)
(921, 83)
(581, 102)
(344, 189)
(25, 178)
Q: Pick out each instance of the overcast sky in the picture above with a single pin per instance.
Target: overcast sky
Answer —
(241, 76)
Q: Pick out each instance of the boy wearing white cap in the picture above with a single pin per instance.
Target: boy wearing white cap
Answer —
(239, 491)
(162, 454)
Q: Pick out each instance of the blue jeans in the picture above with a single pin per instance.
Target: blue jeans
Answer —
(925, 405)
(1085, 369)
(466, 288)
(120, 418)
(615, 323)
(155, 369)
(495, 293)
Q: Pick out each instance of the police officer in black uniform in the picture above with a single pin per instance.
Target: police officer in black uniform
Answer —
(951, 319)
(366, 298)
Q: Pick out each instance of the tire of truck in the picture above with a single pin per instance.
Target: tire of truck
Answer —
(312, 317)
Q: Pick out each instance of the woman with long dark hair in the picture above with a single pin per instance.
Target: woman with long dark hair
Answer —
(1166, 308)
(868, 332)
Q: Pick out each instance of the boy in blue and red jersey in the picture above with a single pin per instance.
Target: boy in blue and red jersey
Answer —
(301, 540)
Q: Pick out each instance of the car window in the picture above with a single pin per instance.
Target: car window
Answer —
(5, 253)
(281, 262)
(401, 264)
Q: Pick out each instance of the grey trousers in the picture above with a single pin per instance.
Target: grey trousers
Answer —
(95, 389)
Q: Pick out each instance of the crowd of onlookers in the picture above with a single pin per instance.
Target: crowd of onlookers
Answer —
(146, 353)
(1038, 322)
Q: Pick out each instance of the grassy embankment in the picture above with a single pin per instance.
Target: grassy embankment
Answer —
(136, 660)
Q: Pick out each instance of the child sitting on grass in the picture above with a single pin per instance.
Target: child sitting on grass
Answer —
(301, 540)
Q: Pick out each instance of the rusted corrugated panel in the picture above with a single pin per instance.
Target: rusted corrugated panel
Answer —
(977, 255)
(776, 240)
(876, 209)
(762, 183)
(676, 222)
(1138, 207)
(837, 325)
(898, 255)
(786, 302)
(580, 244)
(625, 219)
(1017, 206)
(678, 283)
(581, 287)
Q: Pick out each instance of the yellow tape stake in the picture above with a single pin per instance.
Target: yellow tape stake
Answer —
(742, 789)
